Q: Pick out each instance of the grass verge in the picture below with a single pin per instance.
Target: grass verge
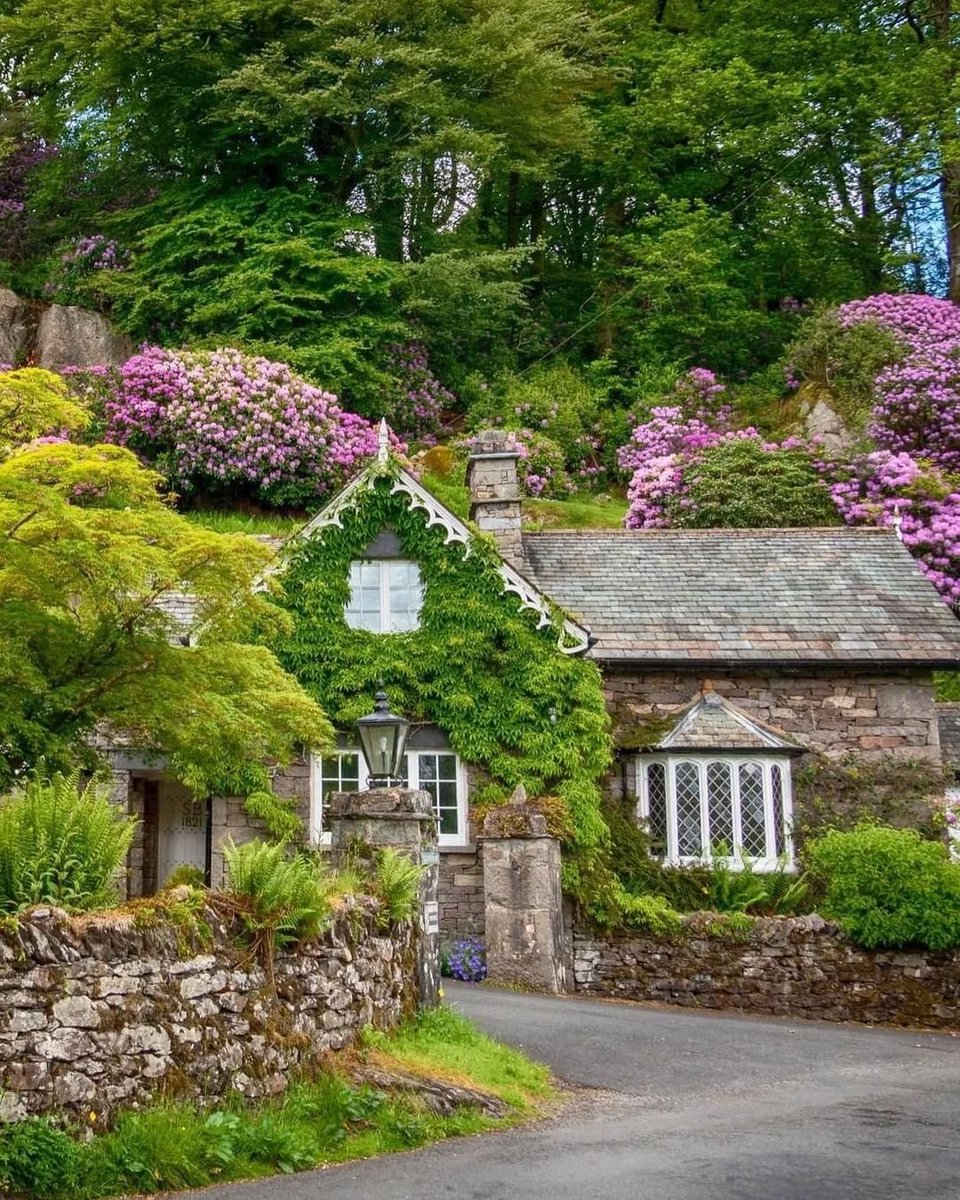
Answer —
(326, 1119)
(226, 521)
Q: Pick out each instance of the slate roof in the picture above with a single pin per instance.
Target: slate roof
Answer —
(713, 723)
(746, 595)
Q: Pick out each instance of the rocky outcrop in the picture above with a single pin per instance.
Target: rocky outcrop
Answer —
(54, 336)
(101, 1012)
(74, 337)
(17, 327)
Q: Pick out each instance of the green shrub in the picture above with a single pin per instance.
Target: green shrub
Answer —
(36, 1158)
(887, 887)
(63, 845)
(650, 914)
(741, 484)
(397, 885)
(280, 899)
(845, 361)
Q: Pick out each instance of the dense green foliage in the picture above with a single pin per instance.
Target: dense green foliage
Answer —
(646, 184)
(743, 484)
(91, 558)
(887, 888)
(478, 667)
(316, 1121)
(36, 404)
(61, 844)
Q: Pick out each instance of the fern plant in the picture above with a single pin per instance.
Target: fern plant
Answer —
(61, 844)
(280, 899)
(397, 885)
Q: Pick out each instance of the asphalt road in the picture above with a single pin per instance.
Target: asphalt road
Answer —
(679, 1105)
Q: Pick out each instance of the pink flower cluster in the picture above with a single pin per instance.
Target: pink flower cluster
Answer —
(96, 252)
(220, 419)
(675, 435)
(917, 408)
(883, 488)
(415, 410)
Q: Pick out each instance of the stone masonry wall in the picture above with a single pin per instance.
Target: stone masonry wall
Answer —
(97, 1013)
(830, 711)
(461, 894)
(792, 967)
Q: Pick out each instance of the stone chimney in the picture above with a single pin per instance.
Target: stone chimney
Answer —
(495, 491)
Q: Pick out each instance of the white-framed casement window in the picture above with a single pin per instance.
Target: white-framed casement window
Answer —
(438, 772)
(386, 595)
(724, 806)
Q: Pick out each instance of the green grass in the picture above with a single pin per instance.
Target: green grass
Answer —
(592, 512)
(445, 1044)
(226, 521)
(583, 512)
(172, 1146)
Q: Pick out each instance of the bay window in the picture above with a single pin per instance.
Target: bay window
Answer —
(704, 807)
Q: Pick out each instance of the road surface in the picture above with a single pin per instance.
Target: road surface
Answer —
(681, 1105)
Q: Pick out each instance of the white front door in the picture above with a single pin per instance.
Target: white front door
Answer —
(182, 831)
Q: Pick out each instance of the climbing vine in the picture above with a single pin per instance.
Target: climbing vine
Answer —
(478, 667)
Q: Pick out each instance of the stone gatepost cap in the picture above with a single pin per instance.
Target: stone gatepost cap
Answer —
(515, 819)
(382, 803)
(494, 443)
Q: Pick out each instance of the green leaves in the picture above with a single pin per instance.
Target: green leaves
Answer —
(887, 887)
(93, 567)
(61, 844)
(478, 667)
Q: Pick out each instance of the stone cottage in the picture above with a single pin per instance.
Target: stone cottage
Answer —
(728, 658)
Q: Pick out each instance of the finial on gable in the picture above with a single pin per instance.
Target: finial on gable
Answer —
(383, 441)
(897, 520)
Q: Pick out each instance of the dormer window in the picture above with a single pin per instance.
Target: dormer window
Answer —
(386, 595)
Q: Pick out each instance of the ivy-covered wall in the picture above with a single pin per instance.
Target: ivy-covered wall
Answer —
(510, 702)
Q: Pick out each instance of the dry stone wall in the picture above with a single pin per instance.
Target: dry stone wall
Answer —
(96, 1013)
(791, 967)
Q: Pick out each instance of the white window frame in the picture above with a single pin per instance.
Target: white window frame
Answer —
(770, 860)
(383, 609)
(413, 781)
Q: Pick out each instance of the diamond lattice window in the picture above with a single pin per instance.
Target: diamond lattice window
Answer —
(723, 807)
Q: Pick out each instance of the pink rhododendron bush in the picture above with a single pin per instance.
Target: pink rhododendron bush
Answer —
(881, 488)
(685, 468)
(222, 422)
(917, 397)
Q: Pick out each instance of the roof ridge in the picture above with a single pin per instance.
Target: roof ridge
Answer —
(793, 531)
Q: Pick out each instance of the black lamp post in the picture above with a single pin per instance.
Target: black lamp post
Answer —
(383, 736)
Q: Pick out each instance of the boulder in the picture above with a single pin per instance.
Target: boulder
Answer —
(14, 328)
(824, 423)
(74, 337)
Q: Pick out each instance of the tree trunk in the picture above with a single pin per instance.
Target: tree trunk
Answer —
(513, 210)
(942, 13)
(950, 195)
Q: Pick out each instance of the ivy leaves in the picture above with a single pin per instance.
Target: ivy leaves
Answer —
(509, 700)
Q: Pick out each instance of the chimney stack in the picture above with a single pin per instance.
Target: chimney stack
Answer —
(495, 491)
